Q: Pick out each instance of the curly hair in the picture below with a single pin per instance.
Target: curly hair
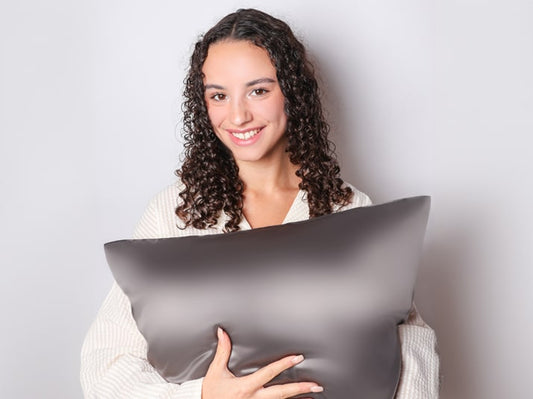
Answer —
(209, 172)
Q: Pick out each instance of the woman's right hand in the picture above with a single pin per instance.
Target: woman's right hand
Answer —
(220, 383)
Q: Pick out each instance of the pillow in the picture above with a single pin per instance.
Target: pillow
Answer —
(333, 288)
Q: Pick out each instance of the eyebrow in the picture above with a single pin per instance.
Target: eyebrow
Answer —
(249, 84)
(258, 81)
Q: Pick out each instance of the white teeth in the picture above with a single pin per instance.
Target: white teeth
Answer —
(247, 135)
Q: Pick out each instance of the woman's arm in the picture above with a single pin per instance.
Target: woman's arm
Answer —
(420, 361)
(113, 357)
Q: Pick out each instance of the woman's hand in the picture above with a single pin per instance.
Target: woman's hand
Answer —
(220, 383)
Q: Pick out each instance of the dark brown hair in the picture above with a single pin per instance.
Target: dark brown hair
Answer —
(209, 172)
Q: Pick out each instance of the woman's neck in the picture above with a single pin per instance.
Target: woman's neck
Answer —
(269, 175)
(270, 189)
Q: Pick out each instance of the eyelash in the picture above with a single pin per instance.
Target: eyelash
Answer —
(263, 91)
(216, 96)
(255, 92)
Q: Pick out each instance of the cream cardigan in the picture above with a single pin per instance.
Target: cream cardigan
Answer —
(113, 356)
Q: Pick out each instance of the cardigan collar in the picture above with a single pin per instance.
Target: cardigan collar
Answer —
(298, 211)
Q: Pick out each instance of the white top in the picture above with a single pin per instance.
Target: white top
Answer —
(113, 356)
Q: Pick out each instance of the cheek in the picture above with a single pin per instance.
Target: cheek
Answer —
(216, 115)
(276, 110)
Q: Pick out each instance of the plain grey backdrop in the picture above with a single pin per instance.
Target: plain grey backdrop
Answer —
(425, 97)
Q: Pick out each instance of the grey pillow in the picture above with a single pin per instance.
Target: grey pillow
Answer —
(333, 288)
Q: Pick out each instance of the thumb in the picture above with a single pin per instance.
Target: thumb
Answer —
(223, 352)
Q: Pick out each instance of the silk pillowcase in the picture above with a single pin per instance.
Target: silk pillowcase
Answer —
(333, 288)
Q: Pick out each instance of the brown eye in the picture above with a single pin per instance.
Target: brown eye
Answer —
(218, 97)
(259, 92)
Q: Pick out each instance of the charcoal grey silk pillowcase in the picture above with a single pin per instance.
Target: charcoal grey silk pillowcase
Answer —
(333, 288)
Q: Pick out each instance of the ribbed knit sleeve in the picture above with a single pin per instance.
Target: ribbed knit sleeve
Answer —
(420, 361)
(113, 357)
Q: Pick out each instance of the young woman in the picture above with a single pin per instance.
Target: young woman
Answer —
(256, 154)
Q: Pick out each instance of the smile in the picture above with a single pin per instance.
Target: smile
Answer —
(246, 135)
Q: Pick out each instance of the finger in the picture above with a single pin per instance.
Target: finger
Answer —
(267, 373)
(223, 352)
(290, 390)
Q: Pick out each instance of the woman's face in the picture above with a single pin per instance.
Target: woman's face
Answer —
(244, 101)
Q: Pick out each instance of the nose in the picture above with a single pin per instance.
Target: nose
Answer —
(240, 112)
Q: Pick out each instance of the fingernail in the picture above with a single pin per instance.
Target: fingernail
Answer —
(297, 359)
(219, 333)
(317, 388)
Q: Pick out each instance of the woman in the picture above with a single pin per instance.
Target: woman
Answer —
(256, 154)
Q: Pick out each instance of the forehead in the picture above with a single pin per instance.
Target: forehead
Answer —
(236, 61)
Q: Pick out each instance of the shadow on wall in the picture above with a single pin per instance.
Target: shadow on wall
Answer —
(443, 280)
(341, 113)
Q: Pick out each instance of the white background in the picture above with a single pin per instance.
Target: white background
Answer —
(426, 97)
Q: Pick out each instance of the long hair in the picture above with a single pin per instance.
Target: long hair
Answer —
(209, 172)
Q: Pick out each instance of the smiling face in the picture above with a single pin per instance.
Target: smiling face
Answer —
(244, 101)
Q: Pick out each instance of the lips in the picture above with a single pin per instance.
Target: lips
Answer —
(245, 137)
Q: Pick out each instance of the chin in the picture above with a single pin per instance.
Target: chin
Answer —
(247, 158)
